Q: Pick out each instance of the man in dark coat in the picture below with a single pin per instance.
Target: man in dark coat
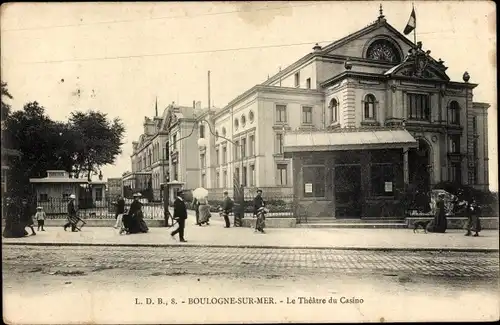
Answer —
(72, 218)
(27, 216)
(258, 202)
(227, 208)
(180, 214)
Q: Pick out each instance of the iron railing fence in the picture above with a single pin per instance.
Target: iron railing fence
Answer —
(56, 208)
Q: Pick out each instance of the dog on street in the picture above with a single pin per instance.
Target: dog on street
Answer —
(421, 224)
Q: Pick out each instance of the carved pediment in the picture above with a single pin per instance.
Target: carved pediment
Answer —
(419, 64)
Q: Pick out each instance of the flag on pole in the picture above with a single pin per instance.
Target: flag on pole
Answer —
(412, 23)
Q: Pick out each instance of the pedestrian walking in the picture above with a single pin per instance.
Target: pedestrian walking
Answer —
(134, 222)
(27, 216)
(13, 225)
(227, 208)
(40, 218)
(180, 214)
(204, 211)
(120, 210)
(258, 203)
(474, 222)
(439, 224)
(196, 206)
(72, 217)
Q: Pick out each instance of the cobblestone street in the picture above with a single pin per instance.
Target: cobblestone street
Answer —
(250, 260)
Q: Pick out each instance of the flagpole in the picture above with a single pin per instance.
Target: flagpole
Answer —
(415, 29)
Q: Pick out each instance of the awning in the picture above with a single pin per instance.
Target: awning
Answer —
(348, 140)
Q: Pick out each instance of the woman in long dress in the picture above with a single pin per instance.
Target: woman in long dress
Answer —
(439, 224)
(134, 221)
(204, 211)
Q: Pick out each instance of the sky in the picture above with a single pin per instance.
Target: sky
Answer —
(122, 56)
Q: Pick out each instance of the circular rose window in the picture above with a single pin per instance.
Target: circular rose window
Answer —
(250, 116)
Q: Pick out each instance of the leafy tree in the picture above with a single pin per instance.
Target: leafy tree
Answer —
(5, 108)
(43, 143)
(99, 144)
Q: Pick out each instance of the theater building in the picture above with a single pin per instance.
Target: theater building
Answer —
(345, 129)
(390, 118)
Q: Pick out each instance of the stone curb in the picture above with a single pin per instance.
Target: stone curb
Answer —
(404, 249)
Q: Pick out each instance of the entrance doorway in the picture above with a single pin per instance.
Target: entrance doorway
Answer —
(418, 167)
(347, 185)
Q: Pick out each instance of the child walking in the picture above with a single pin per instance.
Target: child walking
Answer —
(40, 217)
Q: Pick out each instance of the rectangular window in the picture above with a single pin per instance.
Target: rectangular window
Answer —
(454, 144)
(44, 197)
(308, 83)
(217, 160)
(243, 147)
(314, 181)
(307, 115)
(217, 180)
(381, 176)
(418, 107)
(252, 175)
(244, 176)
(237, 149)
(282, 176)
(279, 143)
(281, 113)
(224, 155)
(203, 180)
(455, 173)
(251, 147)
(297, 79)
(98, 194)
(224, 179)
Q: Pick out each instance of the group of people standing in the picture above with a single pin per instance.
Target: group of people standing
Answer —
(468, 206)
(18, 217)
(131, 221)
(203, 215)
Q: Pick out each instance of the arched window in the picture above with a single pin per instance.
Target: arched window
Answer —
(369, 107)
(334, 110)
(454, 113)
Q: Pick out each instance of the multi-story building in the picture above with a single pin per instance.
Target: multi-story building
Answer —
(346, 129)
(161, 155)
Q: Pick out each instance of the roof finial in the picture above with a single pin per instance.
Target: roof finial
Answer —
(381, 10)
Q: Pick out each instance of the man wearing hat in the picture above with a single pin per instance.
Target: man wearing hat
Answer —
(71, 214)
(227, 208)
(180, 214)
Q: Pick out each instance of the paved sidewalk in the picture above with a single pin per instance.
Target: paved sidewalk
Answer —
(216, 235)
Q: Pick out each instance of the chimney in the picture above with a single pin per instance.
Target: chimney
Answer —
(194, 104)
(198, 105)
